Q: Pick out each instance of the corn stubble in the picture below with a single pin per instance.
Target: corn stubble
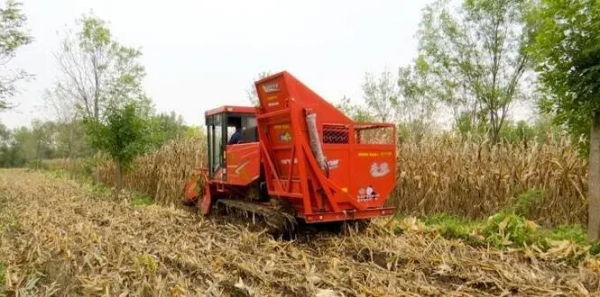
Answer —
(57, 239)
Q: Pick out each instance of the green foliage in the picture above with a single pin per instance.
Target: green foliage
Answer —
(166, 127)
(141, 200)
(194, 132)
(147, 262)
(508, 229)
(13, 35)
(381, 95)
(524, 203)
(123, 133)
(98, 72)
(353, 111)
(574, 233)
(595, 248)
(475, 57)
(417, 104)
(541, 130)
(567, 50)
(453, 227)
(517, 132)
(2, 276)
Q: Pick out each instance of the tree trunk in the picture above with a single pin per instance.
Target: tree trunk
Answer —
(118, 179)
(594, 180)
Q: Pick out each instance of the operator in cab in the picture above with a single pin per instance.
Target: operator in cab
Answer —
(236, 137)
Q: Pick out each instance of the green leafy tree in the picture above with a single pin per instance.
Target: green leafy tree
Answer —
(417, 105)
(97, 71)
(13, 35)
(567, 52)
(70, 142)
(194, 132)
(251, 91)
(354, 111)
(123, 133)
(476, 53)
(165, 127)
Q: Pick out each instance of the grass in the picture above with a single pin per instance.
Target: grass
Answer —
(453, 227)
(507, 230)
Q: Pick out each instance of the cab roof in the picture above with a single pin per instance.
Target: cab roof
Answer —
(232, 109)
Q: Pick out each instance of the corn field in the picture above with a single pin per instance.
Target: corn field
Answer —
(439, 175)
(476, 179)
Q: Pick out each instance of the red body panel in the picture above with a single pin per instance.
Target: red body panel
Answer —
(243, 163)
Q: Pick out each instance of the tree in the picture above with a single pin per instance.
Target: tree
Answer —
(381, 95)
(13, 35)
(567, 54)
(417, 105)
(477, 55)
(97, 71)
(355, 112)
(70, 142)
(123, 133)
(251, 91)
(100, 79)
(165, 127)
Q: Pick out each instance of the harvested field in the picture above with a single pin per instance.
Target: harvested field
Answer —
(59, 239)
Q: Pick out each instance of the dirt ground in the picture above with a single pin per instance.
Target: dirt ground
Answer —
(58, 238)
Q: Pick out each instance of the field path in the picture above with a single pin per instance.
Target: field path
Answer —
(58, 238)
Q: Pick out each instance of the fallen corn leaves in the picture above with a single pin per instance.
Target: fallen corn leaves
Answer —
(57, 240)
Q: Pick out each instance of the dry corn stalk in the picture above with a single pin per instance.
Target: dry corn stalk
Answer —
(447, 175)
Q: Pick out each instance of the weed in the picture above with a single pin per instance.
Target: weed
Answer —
(141, 199)
(2, 277)
(595, 248)
(147, 262)
(506, 229)
(454, 227)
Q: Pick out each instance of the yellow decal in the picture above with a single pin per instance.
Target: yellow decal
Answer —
(375, 154)
(345, 190)
(281, 127)
(272, 98)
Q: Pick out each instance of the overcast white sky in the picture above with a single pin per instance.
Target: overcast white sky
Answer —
(202, 54)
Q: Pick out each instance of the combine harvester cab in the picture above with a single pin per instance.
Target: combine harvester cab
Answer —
(326, 166)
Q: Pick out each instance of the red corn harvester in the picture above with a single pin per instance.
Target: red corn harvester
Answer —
(294, 158)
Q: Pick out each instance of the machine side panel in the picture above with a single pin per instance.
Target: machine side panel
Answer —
(373, 173)
(243, 163)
